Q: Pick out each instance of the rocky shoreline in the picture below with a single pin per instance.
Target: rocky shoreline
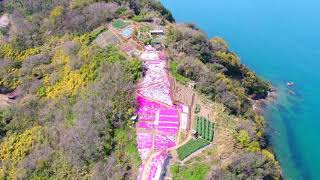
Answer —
(259, 105)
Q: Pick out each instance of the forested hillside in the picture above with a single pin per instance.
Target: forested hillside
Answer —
(70, 119)
(73, 100)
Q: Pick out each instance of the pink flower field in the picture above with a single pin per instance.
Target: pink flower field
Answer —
(158, 121)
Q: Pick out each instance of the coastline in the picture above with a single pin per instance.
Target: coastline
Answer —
(259, 105)
(283, 113)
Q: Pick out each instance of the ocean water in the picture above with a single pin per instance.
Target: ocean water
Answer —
(280, 40)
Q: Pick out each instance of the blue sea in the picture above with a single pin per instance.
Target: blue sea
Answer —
(280, 41)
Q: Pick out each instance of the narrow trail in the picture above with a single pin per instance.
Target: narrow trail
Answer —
(147, 166)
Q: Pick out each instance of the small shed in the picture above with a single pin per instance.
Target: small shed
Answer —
(157, 32)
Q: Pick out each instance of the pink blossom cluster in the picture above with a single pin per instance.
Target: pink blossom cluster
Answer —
(158, 118)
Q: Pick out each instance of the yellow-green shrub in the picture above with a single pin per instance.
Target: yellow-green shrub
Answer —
(229, 57)
(9, 52)
(220, 41)
(245, 140)
(56, 12)
(80, 3)
(268, 154)
(14, 148)
(70, 82)
(69, 85)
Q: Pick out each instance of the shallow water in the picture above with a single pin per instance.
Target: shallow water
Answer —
(280, 41)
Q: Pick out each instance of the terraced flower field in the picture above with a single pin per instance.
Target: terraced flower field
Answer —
(158, 121)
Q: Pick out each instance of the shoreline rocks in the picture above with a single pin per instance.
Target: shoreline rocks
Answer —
(259, 105)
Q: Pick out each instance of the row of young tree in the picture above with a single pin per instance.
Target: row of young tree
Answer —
(205, 128)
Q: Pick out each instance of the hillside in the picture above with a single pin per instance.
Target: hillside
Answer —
(71, 77)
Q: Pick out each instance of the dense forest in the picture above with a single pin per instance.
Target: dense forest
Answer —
(71, 117)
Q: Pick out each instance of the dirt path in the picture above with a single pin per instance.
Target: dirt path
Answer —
(147, 166)
(3, 100)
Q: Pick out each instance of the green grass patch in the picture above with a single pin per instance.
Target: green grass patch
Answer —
(189, 172)
(190, 147)
(174, 71)
(95, 33)
(126, 151)
(70, 119)
(119, 24)
(197, 109)
(121, 10)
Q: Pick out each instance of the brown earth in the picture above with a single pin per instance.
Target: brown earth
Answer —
(3, 100)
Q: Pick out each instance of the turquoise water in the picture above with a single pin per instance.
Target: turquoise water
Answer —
(280, 40)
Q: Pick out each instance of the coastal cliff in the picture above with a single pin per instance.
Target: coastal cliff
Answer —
(68, 77)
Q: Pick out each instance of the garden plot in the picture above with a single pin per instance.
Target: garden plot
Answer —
(152, 79)
(144, 140)
(158, 118)
(146, 125)
(155, 74)
(168, 131)
(106, 38)
(159, 93)
(163, 142)
(147, 117)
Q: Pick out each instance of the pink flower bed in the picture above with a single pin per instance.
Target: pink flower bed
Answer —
(169, 118)
(145, 125)
(144, 140)
(147, 118)
(164, 141)
(157, 114)
(160, 93)
(170, 125)
(168, 112)
(145, 145)
(169, 131)
(162, 55)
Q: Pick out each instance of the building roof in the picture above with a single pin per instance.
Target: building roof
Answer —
(159, 31)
